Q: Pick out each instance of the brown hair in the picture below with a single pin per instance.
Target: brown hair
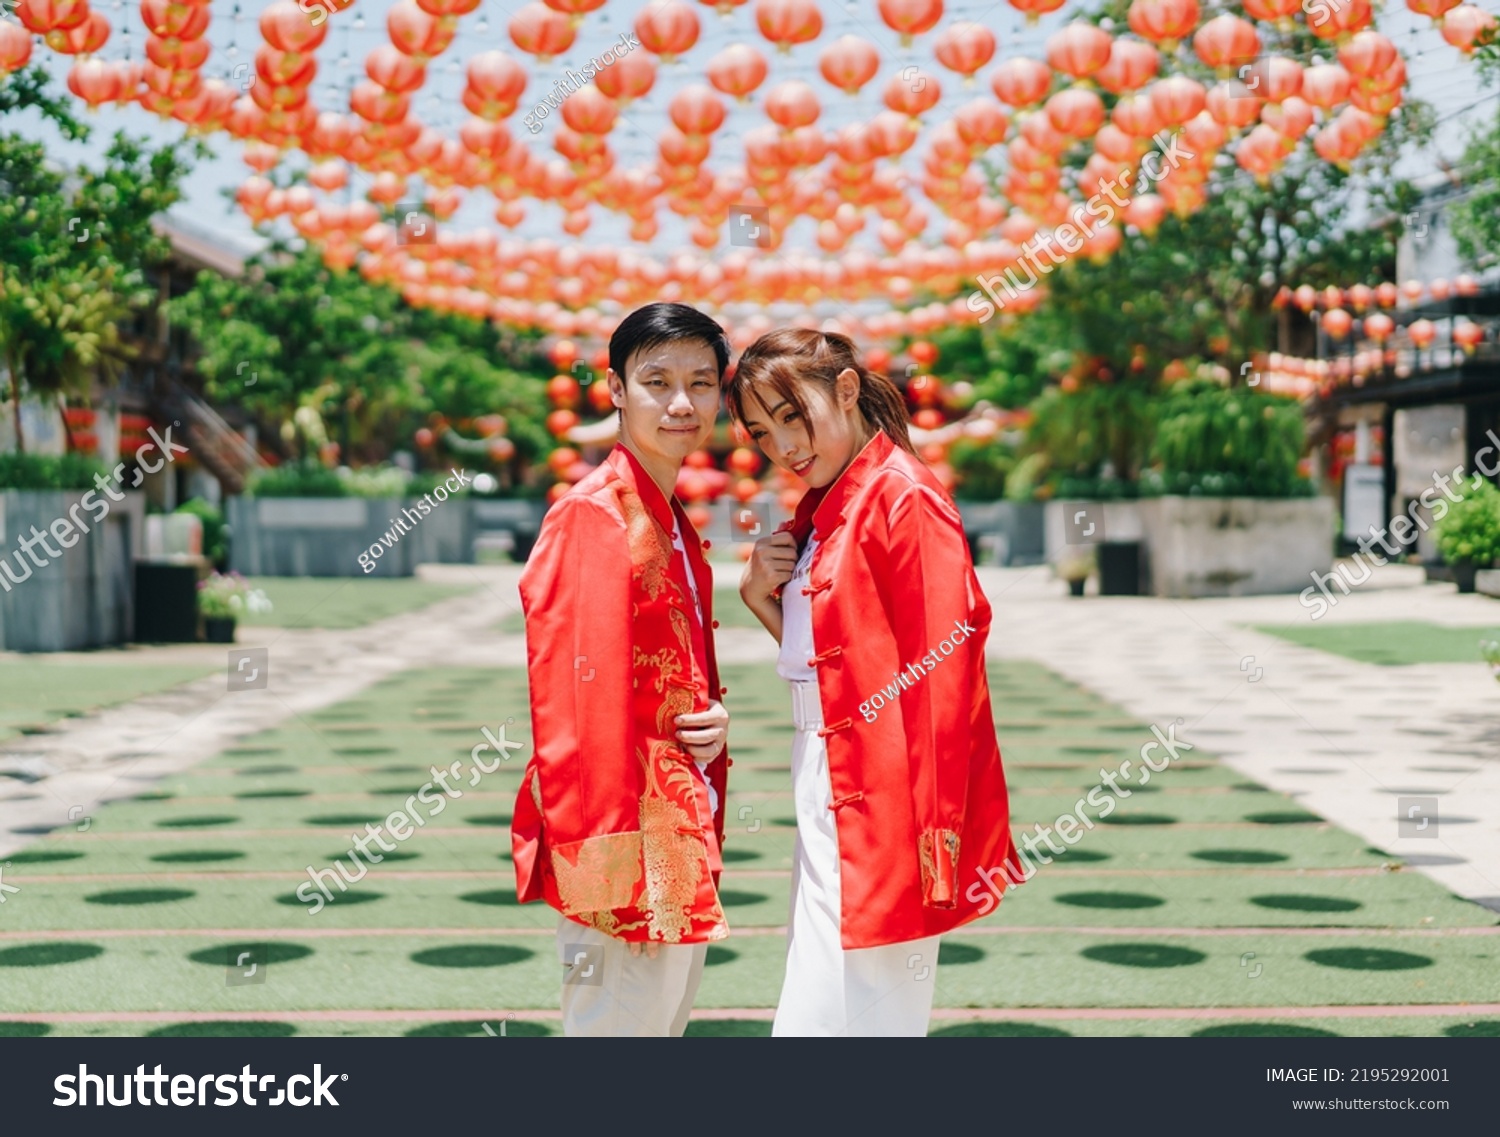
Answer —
(782, 361)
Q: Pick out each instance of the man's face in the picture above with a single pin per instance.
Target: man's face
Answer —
(670, 400)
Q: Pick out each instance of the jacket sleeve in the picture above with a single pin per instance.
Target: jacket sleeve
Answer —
(576, 595)
(927, 576)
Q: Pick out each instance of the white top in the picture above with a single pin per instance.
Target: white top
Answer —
(796, 622)
(713, 798)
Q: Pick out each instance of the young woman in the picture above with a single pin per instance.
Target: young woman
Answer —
(902, 814)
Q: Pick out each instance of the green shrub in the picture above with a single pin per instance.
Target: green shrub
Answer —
(215, 547)
(298, 479)
(982, 468)
(1214, 441)
(1469, 532)
(49, 472)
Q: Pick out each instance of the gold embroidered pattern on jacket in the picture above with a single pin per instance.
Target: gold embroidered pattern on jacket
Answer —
(650, 544)
(676, 699)
(674, 859)
(604, 874)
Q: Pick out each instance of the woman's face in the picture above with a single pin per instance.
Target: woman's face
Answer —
(838, 429)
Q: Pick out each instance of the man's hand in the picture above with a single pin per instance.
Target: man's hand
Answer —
(703, 734)
(653, 949)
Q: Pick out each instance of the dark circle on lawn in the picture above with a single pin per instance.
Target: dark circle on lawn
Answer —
(42, 856)
(130, 896)
(1487, 1028)
(334, 819)
(733, 899)
(10, 1029)
(1368, 959)
(1138, 819)
(1293, 902)
(1143, 955)
(277, 951)
(48, 953)
(196, 822)
(224, 1029)
(1109, 900)
(1263, 1030)
(497, 820)
(959, 953)
(736, 856)
(500, 898)
(1000, 1030)
(717, 955)
(265, 771)
(352, 896)
(1284, 817)
(472, 955)
(514, 1028)
(1240, 856)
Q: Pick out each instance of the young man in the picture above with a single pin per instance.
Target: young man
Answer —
(619, 818)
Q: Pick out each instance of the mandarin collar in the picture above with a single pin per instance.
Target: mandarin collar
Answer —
(629, 468)
(821, 509)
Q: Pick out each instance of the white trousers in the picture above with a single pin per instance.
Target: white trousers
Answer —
(868, 992)
(609, 993)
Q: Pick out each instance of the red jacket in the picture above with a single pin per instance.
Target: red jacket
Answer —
(918, 788)
(607, 822)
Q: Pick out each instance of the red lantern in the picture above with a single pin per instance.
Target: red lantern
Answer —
(564, 391)
(628, 77)
(45, 16)
(737, 70)
(1131, 65)
(1177, 99)
(15, 47)
(1466, 26)
(92, 80)
(283, 25)
(1422, 333)
(696, 110)
(561, 458)
(792, 104)
(849, 63)
(537, 30)
(1021, 82)
(912, 93)
(1226, 43)
(560, 422)
(1076, 112)
(1337, 323)
(910, 17)
(923, 352)
(744, 462)
(1468, 335)
(788, 22)
(1079, 50)
(667, 28)
(1163, 22)
(1379, 326)
(964, 47)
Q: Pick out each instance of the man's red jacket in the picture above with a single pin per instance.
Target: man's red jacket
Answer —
(899, 626)
(608, 825)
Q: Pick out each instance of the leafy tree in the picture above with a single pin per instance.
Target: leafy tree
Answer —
(75, 250)
(1476, 219)
(294, 337)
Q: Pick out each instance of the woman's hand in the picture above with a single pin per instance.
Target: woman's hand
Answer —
(770, 566)
(704, 733)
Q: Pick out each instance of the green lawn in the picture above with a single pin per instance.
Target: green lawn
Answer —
(39, 691)
(1392, 643)
(1216, 892)
(331, 602)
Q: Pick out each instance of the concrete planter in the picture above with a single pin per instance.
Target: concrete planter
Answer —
(1236, 546)
(318, 536)
(445, 536)
(82, 598)
(511, 522)
(1016, 527)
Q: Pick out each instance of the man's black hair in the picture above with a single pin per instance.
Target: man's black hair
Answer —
(656, 324)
